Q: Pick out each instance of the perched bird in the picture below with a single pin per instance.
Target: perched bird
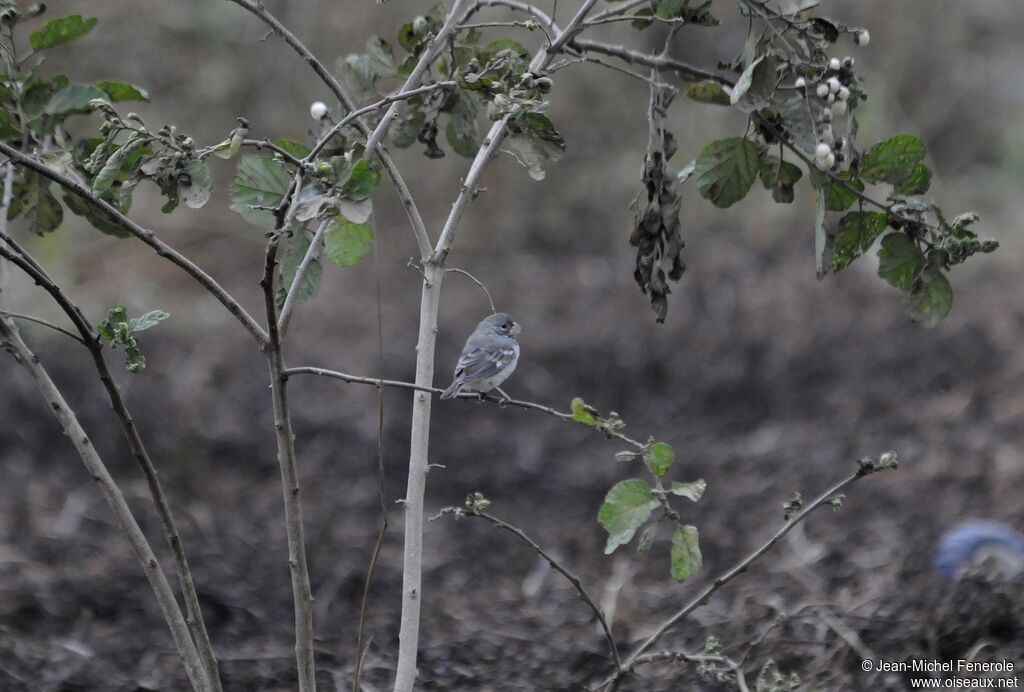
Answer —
(976, 542)
(488, 358)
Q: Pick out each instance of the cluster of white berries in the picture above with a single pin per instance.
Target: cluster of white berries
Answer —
(836, 96)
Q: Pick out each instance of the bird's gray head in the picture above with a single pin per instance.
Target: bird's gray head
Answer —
(499, 323)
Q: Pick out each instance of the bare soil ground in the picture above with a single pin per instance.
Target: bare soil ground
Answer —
(765, 382)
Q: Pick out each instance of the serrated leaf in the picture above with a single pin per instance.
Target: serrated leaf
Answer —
(346, 243)
(930, 300)
(501, 44)
(148, 320)
(540, 143)
(260, 181)
(659, 458)
(582, 412)
(356, 212)
(405, 129)
(686, 557)
(757, 93)
(120, 91)
(74, 97)
(893, 160)
(857, 231)
(361, 182)
(461, 130)
(196, 191)
(692, 491)
(725, 170)
(97, 218)
(900, 261)
(61, 30)
(39, 209)
(708, 91)
(626, 507)
(743, 83)
(780, 178)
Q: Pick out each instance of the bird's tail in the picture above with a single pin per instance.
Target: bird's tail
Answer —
(452, 391)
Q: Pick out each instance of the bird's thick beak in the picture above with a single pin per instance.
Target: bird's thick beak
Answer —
(516, 328)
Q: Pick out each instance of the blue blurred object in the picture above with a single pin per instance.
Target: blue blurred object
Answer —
(975, 542)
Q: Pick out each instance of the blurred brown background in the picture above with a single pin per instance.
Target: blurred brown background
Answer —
(763, 379)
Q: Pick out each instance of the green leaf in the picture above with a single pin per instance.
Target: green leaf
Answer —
(780, 178)
(857, 231)
(74, 97)
(626, 507)
(647, 538)
(893, 160)
(196, 187)
(501, 44)
(120, 91)
(917, 183)
(839, 198)
(930, 300)
(659, 458)
(540, 143)
(899, 261)
(708, 91)
(758, 87)
(259, 181)
(293, 147)
(346, 243)
(686, 557)
(461, 130)
(667, 9)
(822, 240)
(725, 170)
(692, 491)
(148, 320)
(61, 30)
(39, 208)
(405, 129)
(297, 249)
(362, 181)
(97, 218)
(582, 412)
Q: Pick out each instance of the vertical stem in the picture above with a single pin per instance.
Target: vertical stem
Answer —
(301, 591)
(11, 341)
(412, 573)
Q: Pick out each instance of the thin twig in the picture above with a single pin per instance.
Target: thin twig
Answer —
(683, 657)
(11, 341)
(295, 289)
(469, 396)
(572, 578)
(659, 62)
(40, 320)
(865, 468)
(145, 235)
(477, 281)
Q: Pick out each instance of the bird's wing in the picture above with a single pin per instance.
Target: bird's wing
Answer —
(485, 357)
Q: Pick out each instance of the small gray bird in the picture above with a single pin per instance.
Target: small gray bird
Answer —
(488, 358)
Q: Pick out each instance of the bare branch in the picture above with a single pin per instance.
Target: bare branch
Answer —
(659, 62)
(572, 578)
(683, 657)
(11, 341)
(145, 235)
(470, 396)
(301, 592)
(865, 467)
(90, 340)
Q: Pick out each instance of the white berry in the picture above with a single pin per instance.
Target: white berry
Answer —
(831, 99)
(826, 135)
(800, 83)
(834, 64)
(862, 37)
(822, 90)
(822, 150)
(826, 115)
(317, 110)
(834, 85)
(839, 108)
